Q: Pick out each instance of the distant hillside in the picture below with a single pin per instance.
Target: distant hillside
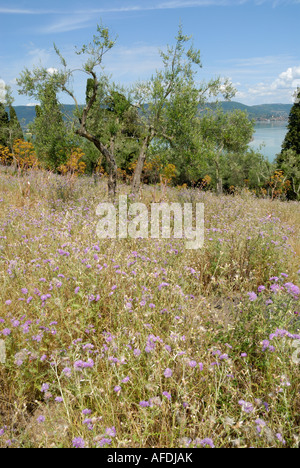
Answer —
(260, 112)
(26, 114)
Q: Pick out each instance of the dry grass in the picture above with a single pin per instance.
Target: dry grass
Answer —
(87, 316)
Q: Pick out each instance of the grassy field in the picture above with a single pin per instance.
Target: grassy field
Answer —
(144, 343)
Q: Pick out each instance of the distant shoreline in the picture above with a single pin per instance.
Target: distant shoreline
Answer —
(259, 113)
(271, 120)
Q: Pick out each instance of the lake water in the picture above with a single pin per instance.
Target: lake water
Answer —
(272, 135)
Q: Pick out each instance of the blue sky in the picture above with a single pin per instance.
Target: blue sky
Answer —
(255, 43)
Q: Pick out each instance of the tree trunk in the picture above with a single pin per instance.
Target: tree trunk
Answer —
(220, 186)
(112, 172)
(111, 161)
(109, 155)
(218, 172)
(136, 181)
(219, 180)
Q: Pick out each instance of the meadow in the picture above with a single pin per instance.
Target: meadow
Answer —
(144, 343)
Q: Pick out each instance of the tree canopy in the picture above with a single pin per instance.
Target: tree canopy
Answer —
(288, 161)
(292, 138)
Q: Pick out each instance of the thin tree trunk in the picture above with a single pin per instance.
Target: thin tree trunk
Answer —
(218, 174)
(83, 132)
(110, 159)
(136, 181)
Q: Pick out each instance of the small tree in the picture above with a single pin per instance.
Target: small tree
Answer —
(113, 119)
(292, 138)
(225, 133)
(290, 167)
(246, 169)
(4, 125)
(10, 128)
(15, 126)
(31, 83)
(160, 99)
(288, 161)
(49, 129)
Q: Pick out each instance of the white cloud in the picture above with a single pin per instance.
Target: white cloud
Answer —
(263, 79)
(286, 83)
(68, 23)
(282, 87)
(80, 19)
(288, 79)
(16, 11)
(52, 70)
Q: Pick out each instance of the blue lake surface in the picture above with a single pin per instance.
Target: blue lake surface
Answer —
(271, 135)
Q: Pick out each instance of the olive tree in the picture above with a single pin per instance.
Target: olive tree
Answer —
(225, 133)
(32, 82)
(170, 100)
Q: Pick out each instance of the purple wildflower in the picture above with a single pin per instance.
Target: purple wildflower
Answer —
(78, 442)
(67, 371)
(246, 407)
(280, 438)
(223, 357)
(87, 421)
(104, 441)
(208, 442)
(162, 285)
(252, 296)
(144, 403)
(168, 372)
(259, 424)
(292, 289)
(111, 431)
(192, 363)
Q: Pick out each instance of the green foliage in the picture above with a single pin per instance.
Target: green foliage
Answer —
(49, 129)
(224, 134)
(169, 104)
(170, 118)
(10, 128)
(183, 125)
(114, 120)
(290, 165)
(289, 159)
(4, 123)
(292, 138)
(245, 169)
(16, 132)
